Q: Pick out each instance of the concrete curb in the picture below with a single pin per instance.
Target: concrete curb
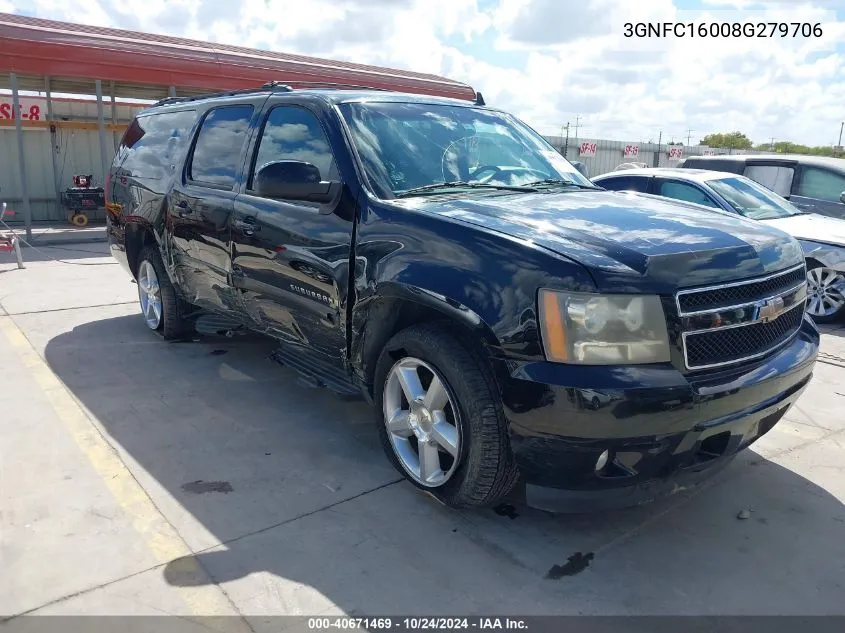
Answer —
(66, 241)
(63, 236)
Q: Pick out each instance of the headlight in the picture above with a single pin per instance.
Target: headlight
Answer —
(592, 329)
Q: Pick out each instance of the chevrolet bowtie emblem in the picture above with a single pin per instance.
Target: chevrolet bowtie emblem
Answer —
(770, 309)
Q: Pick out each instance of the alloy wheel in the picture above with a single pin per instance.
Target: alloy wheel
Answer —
(421, 420)
(149, 294)
(825, 288)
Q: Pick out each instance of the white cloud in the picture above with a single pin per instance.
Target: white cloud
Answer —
(551, 60)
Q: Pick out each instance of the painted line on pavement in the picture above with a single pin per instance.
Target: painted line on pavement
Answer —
(161, 537)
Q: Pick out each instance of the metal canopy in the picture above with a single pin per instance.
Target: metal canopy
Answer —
(58, 57)
(144, 65)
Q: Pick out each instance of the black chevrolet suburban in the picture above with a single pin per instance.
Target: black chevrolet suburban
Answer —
(520, 332)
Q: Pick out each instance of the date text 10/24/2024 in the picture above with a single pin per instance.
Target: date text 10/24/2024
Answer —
(722, 29)
(417, 624)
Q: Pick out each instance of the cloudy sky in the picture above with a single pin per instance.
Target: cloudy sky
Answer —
(548, 61)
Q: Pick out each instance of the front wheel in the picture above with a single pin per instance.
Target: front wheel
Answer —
(440, 418)
(825, 294)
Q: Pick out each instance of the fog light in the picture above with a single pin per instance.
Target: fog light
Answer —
(601, 462)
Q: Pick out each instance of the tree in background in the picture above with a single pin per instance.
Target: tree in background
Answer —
(785, 147)
(732, 140)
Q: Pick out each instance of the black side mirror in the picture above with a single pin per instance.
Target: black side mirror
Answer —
(581, 167)
(842, 197)
(294, 180)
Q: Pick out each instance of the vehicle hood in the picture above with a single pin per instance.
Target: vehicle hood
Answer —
(812, 227)
(629, 242)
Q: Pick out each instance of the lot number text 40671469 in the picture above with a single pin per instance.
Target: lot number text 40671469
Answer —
(423, 623)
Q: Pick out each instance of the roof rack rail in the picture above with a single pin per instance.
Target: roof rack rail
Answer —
(284, 87)
(167, 100)
(318, 84)
(228, 93)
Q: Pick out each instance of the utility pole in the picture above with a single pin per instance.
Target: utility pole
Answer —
(689, 135)
(839, 144)
(565, 147)
(772, 144)
(657, 153)
(562, 142)
(577, 125)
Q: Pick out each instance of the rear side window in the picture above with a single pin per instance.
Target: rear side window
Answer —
(626, 183)
(683, 191)
(773, 177)
(821, 184)
(152, 143)
(217, 152)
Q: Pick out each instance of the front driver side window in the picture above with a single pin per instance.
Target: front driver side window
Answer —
(688, 193)
(294, 133)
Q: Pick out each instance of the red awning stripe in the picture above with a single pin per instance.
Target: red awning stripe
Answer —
(44, 47)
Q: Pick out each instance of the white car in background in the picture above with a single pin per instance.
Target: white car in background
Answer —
(822, 237)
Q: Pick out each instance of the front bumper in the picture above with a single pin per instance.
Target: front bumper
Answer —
(662, 431)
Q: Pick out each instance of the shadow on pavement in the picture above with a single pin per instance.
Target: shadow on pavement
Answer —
(70, 252)
(293, 483)
(837, 330)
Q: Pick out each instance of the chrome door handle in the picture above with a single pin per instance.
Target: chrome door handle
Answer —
(247, 226)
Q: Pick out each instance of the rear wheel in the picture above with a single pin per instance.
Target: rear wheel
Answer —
(160, 307)
(825, 294)
(440, 418)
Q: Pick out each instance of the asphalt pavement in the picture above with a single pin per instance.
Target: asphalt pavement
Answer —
(139, 476)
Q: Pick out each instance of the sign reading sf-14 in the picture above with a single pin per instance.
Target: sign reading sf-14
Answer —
(588, 149)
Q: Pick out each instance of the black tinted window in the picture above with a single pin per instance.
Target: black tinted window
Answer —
(153, 142)
(821, 183)
(732, 166)
(625, 183)
(217, 153)
(292, 133)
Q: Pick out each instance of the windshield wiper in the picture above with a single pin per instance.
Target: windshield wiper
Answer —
(560, 182)
(457, 184)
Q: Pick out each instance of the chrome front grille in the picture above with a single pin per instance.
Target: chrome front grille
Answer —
(731, 323)
(706, 299)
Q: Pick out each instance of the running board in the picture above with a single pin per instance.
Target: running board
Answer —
(315, 372)
(212, 324)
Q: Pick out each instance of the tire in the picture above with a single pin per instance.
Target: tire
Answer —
(170, 322)
(484, 471)
(822, 297)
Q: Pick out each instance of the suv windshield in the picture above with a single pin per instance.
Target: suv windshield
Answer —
(752, 200)
(422, 148)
